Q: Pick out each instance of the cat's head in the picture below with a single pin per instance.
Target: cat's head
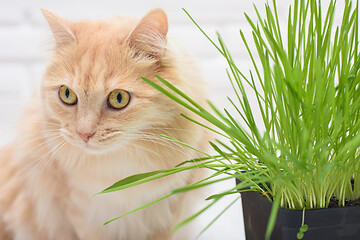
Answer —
(93, 88)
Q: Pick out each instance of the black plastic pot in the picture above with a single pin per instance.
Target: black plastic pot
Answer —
(328, 223)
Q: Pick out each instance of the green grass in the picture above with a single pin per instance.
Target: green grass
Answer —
(305, 146)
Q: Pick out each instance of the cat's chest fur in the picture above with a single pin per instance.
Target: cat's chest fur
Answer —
(84, 209)
(56, 199)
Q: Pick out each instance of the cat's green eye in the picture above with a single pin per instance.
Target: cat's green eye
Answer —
(67, 95)
(118, 99)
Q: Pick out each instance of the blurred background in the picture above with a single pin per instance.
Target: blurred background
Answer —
(24, 45)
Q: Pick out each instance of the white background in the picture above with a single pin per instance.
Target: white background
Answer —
(24, 39)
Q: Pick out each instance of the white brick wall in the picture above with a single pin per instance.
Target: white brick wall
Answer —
(23, 44)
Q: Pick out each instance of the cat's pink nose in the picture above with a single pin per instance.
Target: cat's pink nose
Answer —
(85, 136)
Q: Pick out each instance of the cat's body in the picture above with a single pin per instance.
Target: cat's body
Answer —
(65, 153)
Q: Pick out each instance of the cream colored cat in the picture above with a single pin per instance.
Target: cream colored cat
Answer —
(95, 122)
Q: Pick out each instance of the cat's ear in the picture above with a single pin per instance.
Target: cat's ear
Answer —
(60, 27)
(149, 36)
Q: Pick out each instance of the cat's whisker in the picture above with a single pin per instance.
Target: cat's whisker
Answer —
(156, 136)
(38, 161)
(35, 138)
(172, 144)
(170, 128)
(52, 157)
(32, 165)
(141, 133)
(156, 140)
(152, 140)
(165, 131)
(31, 141)
(43, 143)
(176, 147)
(157, 143)
(137, 146)
(39, 133)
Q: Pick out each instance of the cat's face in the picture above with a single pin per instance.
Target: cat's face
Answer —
(92, 87)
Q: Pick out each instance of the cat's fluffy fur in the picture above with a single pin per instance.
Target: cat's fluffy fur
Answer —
(48, 175)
